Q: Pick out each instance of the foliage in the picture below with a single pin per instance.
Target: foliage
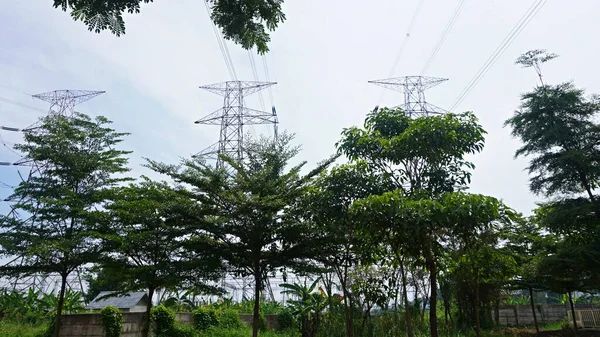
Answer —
(244, 22)
(285, 320)
(249, 213)
(19, 329)
(205, 318)
(229, 319)
(112, 321)
(556, 124)
(306, 307)
(79, 165)
(164, 320)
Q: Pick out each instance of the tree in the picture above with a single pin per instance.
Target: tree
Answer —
(558, 127)
(341, 246)
(244, 22)
(150, 244)
(430, 224)
(79, 166)
(251, 211)
(424, 159)
(527, 245)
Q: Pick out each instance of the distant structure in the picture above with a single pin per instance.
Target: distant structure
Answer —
(413, 88)
(62, 102)
(232, 118)
(130, 302)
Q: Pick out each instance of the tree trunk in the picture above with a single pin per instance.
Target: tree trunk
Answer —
(256, 313)
(348, 304)
(433, 294)
(409, 330)
(61, 301)
(573, 312)
(537, 328)
(476, 303)
(147, 318)
(497, 311)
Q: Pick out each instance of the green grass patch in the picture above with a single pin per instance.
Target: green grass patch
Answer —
(12, 329)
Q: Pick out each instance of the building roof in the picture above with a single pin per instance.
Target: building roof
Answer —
(122, 302)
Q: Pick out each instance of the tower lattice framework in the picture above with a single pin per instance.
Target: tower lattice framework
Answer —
(232, 118)
(62, 102)
(413, 88)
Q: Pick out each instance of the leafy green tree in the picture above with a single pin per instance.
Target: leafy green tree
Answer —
(150, 244)
(251, 213)
(80, 165)
(430, 224)
(245, 22)
(327, 206)
(424, 158)
(572, 267)
(526, 243)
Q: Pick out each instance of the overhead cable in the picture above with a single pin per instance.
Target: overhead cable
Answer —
(508, 40)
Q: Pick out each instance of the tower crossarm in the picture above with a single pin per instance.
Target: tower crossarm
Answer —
(246, 87)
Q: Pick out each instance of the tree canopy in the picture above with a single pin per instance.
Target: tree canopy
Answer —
(78, 164)
(245, 22)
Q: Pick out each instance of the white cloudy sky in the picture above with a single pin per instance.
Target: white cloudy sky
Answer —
(322, 58)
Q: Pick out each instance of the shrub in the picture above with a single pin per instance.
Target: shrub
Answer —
(229, 319)
(112, 321)
(285, 320)
(164, 320)
(262, 322)
(205, 318)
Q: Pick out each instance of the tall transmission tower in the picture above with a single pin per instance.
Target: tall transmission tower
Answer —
(232, 118)
(413, 88)
(62, 102)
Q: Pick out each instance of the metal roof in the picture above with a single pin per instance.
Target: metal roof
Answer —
(122, 302)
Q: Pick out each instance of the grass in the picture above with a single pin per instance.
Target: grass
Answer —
(244, 332)
(12, 329)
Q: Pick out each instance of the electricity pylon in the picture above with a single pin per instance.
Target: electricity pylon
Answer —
(413, 88)
(62, 102)
(232, 118)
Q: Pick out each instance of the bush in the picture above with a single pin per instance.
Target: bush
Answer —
(164, 320)
(112, 321)
(229, 319)
(205, 318)
(285, 320)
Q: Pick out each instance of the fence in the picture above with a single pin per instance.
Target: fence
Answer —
(586, 318)
(89, 325)
(516, 315)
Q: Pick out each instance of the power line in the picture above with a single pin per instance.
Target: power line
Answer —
(403, 44)
(222, 45)
(9, 101)
(268, 78)
(407, 36)
(508, 40)
(443, 36)
(256, 77)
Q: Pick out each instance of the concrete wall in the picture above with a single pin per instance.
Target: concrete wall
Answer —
(89, 325)
(272, 322)
(514, 315)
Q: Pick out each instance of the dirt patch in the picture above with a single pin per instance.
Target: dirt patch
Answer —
(556, 333)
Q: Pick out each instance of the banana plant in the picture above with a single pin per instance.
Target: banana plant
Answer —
(307, 306)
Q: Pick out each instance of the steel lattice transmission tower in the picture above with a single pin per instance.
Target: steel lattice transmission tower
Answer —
(62, 102)
(232, 118)
(413, 88)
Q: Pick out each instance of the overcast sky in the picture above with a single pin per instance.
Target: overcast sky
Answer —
(321, 57)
